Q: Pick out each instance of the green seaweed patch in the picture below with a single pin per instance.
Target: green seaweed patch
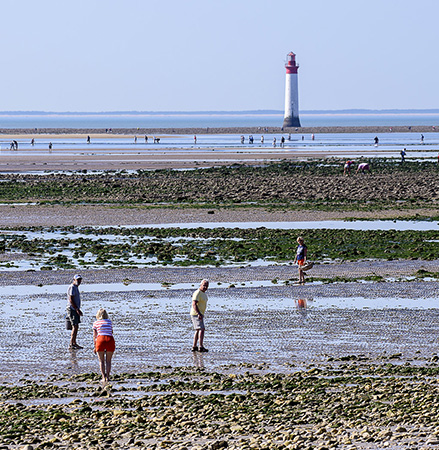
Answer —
(215, 247)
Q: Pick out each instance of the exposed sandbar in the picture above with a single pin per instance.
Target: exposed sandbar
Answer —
(216, 130)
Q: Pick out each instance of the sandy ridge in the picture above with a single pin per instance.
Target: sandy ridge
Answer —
(216, 130)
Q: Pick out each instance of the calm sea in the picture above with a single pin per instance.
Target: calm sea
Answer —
(185, 120)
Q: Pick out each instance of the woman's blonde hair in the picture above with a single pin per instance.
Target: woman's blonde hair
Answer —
(300, 239)
(101, 314)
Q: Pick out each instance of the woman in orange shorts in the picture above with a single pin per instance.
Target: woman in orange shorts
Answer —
(300, 258)
(104, 344)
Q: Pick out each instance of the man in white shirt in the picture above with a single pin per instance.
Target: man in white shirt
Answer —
(199, 304)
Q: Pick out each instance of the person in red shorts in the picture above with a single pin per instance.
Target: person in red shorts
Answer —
(104, 344)
(300, 258)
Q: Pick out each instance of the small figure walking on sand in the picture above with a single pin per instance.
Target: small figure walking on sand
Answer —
(282, 141)
(195, 139)
(135, 139)
(312, 137)
(242, 139)
(422, 138)
(104, 344)
(88, 139)
(300, 258)
(363, 167)
(376, 140)
(50, 147)
(32, 142)
(199, 304)
(250, 139)
(146, 139)
(347, 167)
(403, 151)
(262, 140)
(274, 142)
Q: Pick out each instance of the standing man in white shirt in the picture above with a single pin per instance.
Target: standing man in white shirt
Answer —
(199, 304)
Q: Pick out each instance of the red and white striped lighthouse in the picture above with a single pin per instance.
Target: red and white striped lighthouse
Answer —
(291, 118)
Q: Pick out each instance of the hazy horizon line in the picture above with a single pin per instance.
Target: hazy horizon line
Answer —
(240, 112)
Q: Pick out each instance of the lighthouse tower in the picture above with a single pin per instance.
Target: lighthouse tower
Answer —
(291, 118)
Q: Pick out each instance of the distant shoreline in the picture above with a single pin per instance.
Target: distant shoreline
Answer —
(352, 111)
(220, 130)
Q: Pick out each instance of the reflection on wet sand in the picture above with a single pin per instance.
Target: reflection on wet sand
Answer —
(198, 359)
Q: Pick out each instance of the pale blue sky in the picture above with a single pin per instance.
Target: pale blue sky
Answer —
(189, 55)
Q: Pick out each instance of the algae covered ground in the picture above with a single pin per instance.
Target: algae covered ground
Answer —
(313, 184)
(94, 247)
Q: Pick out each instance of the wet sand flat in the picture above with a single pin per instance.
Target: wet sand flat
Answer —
(163, 159)
(247, 324)
(244, 325)
(119, 215)
(56, 161)
(80, 156)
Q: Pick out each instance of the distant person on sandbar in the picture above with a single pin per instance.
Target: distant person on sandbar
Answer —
(262, 140)
(242, 139)
(104, 344)
(363, 167)
(195, 139)
(422, 138)
(32, 142)
(300, 258)
(88, 139)
(376, 140)
(50, 147)
(146, 139)
(199, 304)
(403, 155)
(282, 141)
(274, 142)
(347, 167)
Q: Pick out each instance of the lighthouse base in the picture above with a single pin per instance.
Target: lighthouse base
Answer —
(291, 122)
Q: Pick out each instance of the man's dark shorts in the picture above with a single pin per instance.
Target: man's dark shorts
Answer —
(74, 317)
